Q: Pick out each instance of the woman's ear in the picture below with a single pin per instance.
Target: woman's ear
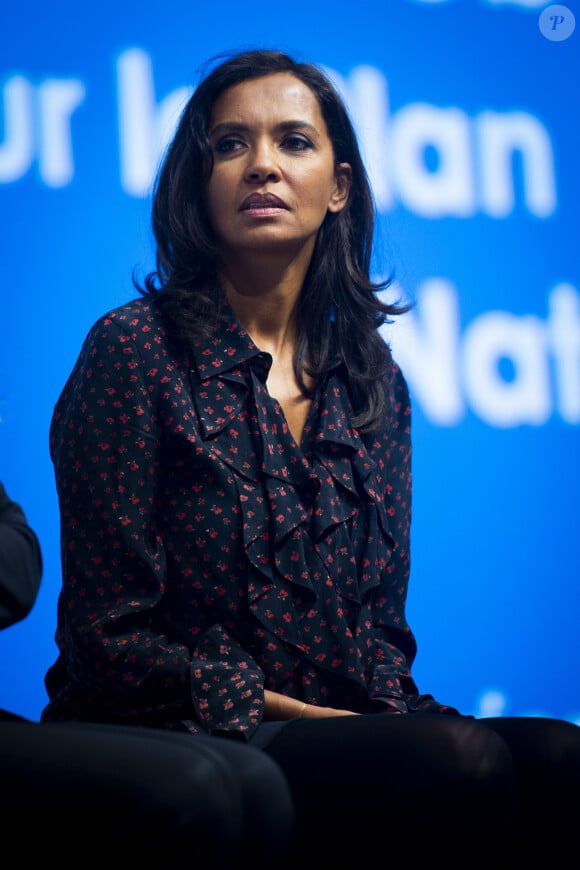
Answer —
(340, 194)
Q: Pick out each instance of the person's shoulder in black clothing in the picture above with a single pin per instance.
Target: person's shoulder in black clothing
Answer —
(20, 562)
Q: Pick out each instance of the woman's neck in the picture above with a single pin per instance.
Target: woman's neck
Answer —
(264, 301)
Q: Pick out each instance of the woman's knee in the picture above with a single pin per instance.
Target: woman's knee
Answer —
(475, 755)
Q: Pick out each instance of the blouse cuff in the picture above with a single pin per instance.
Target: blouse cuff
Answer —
(227, 686)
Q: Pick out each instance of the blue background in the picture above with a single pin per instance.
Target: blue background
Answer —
(494, 597)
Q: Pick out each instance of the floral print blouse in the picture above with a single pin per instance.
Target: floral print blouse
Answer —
(206, 555)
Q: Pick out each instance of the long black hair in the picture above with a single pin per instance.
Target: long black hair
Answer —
(338, 297)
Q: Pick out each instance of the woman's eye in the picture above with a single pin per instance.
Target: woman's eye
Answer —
(228, 144)
(295, 142)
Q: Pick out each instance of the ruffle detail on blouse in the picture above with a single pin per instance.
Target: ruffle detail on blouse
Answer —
(313, 517)
(307, 543)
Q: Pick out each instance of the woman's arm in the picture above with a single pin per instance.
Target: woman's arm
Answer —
(115, 635)
(390, 681)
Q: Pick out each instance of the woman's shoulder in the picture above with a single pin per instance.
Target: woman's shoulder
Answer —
(138, 321)
(134, 329)
(400, 385)
(132, 316)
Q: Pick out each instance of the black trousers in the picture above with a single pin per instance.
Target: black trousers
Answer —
(129, 796)
(390, 791)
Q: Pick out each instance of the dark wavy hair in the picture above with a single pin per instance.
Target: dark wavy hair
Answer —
(338, 303)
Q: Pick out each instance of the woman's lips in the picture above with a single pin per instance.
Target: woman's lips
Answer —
(262, 202)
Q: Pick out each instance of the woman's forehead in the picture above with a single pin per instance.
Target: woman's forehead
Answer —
(275, 93)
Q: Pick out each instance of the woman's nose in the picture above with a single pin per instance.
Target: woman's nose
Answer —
(262, 164)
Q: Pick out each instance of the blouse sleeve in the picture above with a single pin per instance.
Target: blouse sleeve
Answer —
(120, 659)
(392, 686)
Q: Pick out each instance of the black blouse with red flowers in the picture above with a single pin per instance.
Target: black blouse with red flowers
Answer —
(206, 556)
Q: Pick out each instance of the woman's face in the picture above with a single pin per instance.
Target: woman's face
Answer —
(274, 176)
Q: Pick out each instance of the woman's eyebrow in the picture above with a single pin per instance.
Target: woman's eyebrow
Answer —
(287, 126)
(282, 127)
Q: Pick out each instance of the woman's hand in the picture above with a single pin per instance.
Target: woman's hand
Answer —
(281, 707)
